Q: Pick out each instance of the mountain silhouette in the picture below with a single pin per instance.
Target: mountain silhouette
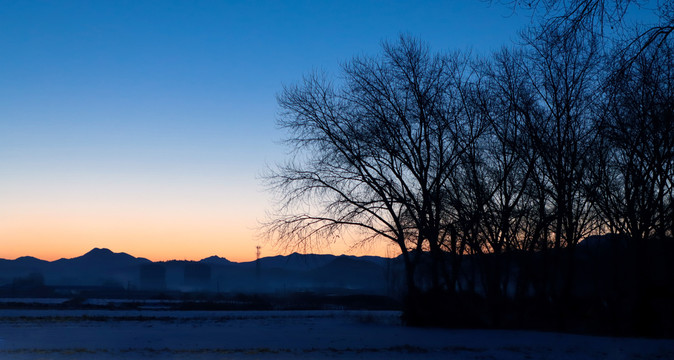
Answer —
(97, 261)
(296, 261)
(294, 272)
(29, 261)
(215, 260)
(102, 258)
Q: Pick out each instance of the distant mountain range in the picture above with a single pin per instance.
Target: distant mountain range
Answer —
(294, 272)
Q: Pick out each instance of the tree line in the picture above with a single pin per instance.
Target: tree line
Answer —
(469, 164)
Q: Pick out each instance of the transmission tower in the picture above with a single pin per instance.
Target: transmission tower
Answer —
(257, 260)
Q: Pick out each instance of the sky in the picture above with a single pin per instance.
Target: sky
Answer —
(145, 126)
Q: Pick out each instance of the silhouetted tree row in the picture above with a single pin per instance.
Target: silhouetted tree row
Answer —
(473, 166)
(605, 19)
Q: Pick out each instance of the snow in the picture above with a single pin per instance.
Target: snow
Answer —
(100, 334)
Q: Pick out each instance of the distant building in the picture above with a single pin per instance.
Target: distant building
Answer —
(197, 275)
(152, 277)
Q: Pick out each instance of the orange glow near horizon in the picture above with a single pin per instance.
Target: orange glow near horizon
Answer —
(158, 218)
(158, 238)
(174, 233)
(158, 248)
(168, 243)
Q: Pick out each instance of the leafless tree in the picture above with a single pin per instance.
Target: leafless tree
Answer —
(633, 177)
(504, 169)
(564, 73)
(374, 152)
(606, 19)
(484, 173)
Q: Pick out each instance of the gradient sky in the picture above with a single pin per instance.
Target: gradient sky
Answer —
(144, 126)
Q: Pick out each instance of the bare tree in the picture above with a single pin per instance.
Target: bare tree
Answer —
(563, 76)
(373, 153)
(633, 177)
(486, 176)
(504, 168)
(606, 19)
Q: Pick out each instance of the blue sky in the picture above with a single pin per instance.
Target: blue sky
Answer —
(143, 126)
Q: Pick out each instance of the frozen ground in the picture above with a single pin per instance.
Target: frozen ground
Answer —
(78, 334)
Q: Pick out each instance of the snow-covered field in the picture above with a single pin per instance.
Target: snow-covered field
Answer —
(98, 334)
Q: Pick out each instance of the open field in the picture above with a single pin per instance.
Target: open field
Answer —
(102, 334)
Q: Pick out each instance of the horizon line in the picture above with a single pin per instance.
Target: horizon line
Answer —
(190, 260)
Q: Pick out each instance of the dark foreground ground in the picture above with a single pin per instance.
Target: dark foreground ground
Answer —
(162, 334)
